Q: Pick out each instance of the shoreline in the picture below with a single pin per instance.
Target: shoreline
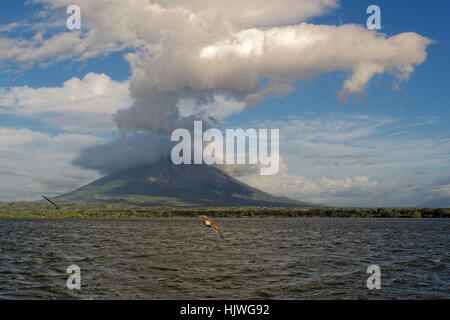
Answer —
(228, 217)
(124, 210)
(115, 210)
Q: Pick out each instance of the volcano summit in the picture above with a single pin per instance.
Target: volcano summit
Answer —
(165, 183)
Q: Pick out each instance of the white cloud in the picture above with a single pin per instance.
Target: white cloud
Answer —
(351, 160)
(441, 191)
(34, 163)
(258, 13)
(358, 190)
(237, 64)
(9, 27)
(219, 108)
(200, 49)
(204, 59)
(78, 105)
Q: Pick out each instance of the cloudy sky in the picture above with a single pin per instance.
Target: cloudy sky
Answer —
(363, 115)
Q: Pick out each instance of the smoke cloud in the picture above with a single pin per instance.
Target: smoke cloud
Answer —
(132, 152)
(198, 52)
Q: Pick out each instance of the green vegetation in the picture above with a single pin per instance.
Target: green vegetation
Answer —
(119, 210)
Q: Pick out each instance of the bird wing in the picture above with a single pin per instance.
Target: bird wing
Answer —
(212, 224)
(215, 226)
(57, 207)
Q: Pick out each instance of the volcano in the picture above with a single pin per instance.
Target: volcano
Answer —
(166, 184)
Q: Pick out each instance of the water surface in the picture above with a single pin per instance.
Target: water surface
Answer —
(259, 259)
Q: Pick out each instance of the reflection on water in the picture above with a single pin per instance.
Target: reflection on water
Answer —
(259, 259)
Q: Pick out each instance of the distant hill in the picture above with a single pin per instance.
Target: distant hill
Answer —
(176, 185)
(437, 203)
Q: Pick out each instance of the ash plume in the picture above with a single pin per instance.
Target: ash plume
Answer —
(201, 52)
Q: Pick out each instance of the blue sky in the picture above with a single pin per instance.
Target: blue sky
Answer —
(397, 138)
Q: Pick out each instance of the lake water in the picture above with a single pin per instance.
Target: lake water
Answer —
(259, 258)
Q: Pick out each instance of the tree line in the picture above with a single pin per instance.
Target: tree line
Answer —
(120, 210)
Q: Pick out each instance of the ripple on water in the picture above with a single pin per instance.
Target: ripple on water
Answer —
(260, 259)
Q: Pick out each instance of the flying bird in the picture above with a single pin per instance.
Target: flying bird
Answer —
(210, 223)
(56, 206)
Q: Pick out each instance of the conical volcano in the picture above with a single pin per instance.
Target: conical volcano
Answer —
(164, 183)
